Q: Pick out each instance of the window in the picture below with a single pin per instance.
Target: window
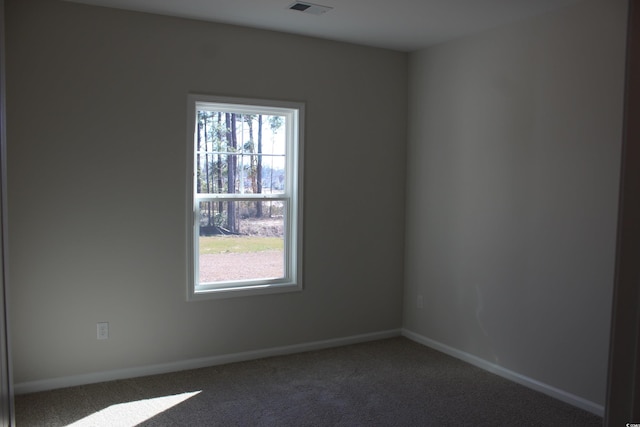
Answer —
(245, 204)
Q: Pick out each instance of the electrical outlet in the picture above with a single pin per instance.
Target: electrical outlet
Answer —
(103, 330)
(419, 302)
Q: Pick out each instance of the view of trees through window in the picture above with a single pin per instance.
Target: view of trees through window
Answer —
(239, 157)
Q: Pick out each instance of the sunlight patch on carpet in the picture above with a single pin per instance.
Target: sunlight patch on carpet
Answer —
(133, 413)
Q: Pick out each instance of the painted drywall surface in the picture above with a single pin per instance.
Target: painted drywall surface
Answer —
(97, 132)
(513, 170)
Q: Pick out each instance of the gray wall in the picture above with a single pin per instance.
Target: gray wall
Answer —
(513, 166)
(96, 139)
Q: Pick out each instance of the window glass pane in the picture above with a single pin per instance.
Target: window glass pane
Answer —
(217, 173)
(250, 169)
(239, 174)
(241, 240)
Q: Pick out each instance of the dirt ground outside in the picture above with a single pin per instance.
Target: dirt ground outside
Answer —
(242, 266)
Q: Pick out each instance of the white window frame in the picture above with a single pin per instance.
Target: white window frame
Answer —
(294, 128)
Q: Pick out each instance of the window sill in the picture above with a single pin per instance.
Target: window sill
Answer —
(242, 291)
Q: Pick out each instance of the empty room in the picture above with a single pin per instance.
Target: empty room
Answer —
(316, 214)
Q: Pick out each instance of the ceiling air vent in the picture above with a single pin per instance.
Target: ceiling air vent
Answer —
(313, 9)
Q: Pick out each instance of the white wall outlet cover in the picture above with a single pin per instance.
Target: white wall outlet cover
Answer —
(103, 330)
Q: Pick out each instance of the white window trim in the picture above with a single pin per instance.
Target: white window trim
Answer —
(294, 177)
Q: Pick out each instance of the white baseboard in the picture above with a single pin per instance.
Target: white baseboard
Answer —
(554, 392)
(119, 374)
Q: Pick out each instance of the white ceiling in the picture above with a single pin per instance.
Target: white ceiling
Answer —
(404, 25)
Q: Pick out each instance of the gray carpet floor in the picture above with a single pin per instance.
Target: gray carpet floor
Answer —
(393, 382)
